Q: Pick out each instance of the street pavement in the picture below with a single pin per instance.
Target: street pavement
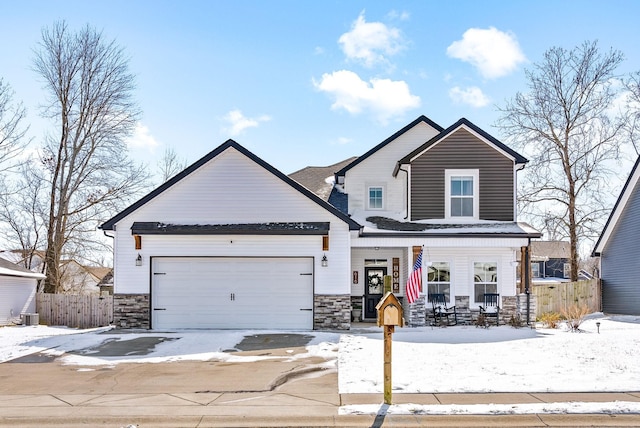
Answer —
(40, 392)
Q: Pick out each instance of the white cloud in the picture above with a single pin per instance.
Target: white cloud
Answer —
(472, 96)
(238, 122)
(142, 139)
(370, 42)
(382, 97)
(493, 52)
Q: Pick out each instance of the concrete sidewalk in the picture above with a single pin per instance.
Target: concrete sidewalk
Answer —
(264, 393)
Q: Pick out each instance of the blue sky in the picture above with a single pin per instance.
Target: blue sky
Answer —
(313, 82)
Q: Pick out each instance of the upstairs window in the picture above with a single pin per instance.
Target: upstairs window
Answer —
(461, 193)
(376, 198)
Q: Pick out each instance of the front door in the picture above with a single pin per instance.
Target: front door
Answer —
(373, 289)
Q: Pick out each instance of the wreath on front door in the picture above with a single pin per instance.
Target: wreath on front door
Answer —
(376, 281)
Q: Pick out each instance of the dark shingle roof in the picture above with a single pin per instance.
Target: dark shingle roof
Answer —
(292, 228)
(314, 178)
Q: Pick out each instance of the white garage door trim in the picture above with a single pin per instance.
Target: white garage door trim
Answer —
(232, 292)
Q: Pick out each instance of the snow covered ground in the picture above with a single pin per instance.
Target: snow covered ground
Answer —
(425, 360)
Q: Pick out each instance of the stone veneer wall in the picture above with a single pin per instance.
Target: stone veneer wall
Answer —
(415, 314)
(131, 311)
(521, 306)
(332, 312)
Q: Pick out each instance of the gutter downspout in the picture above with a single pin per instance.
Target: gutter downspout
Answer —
(527, 289)
(406, 191)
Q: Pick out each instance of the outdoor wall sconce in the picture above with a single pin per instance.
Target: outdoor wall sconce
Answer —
(139, 260)
(324, 261)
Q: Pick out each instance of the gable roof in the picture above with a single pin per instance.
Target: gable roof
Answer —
(618, 208)
(420, 119)
(314, 178)
(551, 249)
(109, 224)
(463, 122)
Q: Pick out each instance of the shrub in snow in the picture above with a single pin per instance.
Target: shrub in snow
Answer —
(574, 316)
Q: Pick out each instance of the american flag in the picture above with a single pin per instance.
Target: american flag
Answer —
(414, 283)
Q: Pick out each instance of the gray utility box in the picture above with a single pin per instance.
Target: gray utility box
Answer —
(30, 319)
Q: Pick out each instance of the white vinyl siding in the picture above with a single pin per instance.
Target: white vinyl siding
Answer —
(17, 296)
(379, 166)
(232, 189)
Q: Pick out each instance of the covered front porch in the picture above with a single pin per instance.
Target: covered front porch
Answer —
(463, 269)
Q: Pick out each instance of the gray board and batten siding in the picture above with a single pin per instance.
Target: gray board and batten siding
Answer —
(620, 262)
(462, 150)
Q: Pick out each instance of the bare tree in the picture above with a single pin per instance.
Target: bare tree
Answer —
(633, 124)
(170, 164)
(566, 126)
(23, 214)
(86, 168)
(12, 131)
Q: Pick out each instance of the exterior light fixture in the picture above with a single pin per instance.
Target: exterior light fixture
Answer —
(598, 325)
(139, 260)
(324, 261)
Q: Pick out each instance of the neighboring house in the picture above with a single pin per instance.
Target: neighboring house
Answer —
(18, 288)
(617, 248)
(79, 279)
(550, 261)
(231, 242)
(75, 277)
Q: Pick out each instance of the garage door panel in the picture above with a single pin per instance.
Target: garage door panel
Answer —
(218, 292)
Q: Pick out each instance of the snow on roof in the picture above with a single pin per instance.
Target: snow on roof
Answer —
(380, 224)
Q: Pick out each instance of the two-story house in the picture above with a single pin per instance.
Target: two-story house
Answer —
(450, 193)
(231, 242)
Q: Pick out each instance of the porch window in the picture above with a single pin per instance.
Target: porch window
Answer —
(439, 279)
(375, 198)
(461, 188)
(485, 278)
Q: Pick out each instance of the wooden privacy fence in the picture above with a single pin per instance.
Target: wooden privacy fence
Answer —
(76, 311)
(560, 296)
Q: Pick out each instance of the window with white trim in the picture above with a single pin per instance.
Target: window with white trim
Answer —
(485, 279)
(461, 187)
(439, 279)
(375, 198)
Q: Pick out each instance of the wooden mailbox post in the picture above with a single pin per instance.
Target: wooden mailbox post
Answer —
(390, 314)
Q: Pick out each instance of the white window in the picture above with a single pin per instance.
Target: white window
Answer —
(439, 279)
(461, 188)
(567, 270)
(375, 198)
(485, 279)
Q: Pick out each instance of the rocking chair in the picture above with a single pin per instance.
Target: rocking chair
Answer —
(442, 312)
(491, 308)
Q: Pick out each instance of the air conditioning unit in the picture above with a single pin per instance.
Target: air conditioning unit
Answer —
(30, 319)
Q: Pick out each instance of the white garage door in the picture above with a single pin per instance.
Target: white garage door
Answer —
(229, 292)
